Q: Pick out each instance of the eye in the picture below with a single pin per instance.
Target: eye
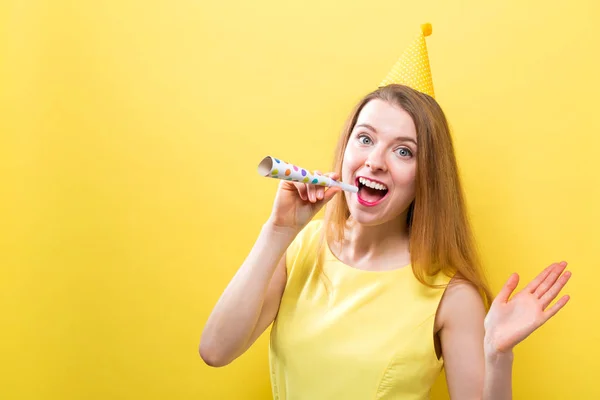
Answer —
(404, 152)
(364, 139)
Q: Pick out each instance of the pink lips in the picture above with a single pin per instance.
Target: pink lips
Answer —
(369, 203)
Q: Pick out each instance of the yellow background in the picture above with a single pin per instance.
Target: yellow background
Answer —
(130, 135)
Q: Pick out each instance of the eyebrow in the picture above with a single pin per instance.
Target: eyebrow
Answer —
(402, 138)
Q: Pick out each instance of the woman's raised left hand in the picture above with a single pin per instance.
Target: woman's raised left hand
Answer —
(512, 319)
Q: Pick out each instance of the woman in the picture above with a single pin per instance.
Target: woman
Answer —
(372, 301)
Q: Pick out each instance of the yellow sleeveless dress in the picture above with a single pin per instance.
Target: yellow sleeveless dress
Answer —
(366, 335)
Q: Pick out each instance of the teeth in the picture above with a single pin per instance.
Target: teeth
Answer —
(371, 184)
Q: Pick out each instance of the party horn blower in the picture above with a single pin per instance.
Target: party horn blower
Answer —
(276, 168)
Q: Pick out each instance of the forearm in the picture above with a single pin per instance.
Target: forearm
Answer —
(498, 375)
(237, 311)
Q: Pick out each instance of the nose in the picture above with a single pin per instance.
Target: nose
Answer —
(375, 161)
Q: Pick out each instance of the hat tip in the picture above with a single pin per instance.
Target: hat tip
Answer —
(426, 29)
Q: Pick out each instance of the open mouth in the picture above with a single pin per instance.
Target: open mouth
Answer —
(370, 192)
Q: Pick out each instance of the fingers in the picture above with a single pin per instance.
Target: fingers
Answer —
(319, 190)
(333, 175)
(329, 193)
(533, 285)
(551, 294)
(316, 193)
(312, 190)
(508, 288)
(302, 191)
(551, 312)
(550, 279)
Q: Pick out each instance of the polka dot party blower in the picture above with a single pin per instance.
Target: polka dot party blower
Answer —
(411, 69)
(275, 168)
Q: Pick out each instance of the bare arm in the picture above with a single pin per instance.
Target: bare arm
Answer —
(462, 313)
(512, 319)
(250, 302)
(498, 376)
(478, 347)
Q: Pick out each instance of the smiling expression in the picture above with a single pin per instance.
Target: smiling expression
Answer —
(380, 158)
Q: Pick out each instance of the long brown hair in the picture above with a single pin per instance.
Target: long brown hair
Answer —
(440, 236)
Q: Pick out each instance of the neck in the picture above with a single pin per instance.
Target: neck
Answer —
(382, 246)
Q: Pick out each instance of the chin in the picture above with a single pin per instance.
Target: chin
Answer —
(373, 217)
(367, 218)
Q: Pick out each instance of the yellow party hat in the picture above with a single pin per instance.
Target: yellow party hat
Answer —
(412, 68)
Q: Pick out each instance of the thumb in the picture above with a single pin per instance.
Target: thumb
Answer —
(330, 192)
(508, 288)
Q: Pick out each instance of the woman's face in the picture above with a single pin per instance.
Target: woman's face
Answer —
(380, 159)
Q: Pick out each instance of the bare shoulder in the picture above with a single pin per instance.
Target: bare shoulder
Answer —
(461, 304)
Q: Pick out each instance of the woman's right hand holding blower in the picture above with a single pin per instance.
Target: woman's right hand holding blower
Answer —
(297, 203)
